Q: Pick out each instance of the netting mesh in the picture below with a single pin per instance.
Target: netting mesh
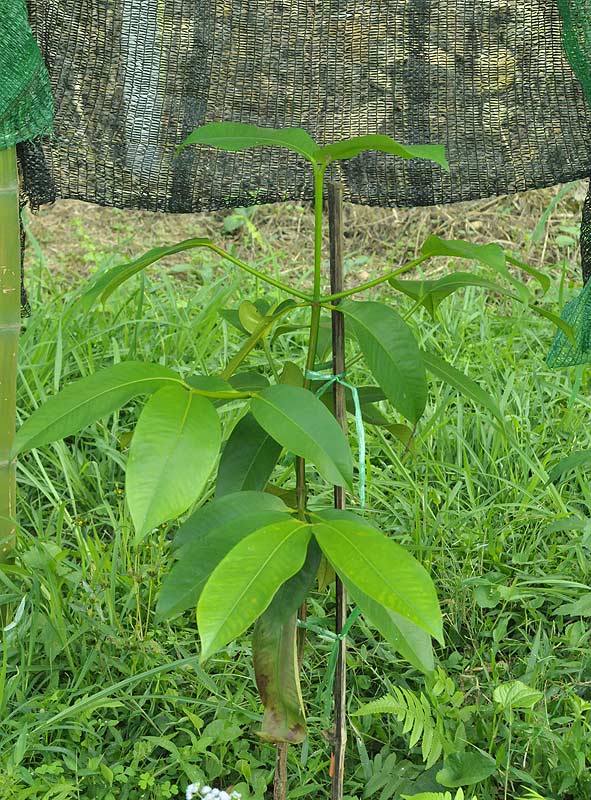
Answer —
(26, 104)
(487, 78)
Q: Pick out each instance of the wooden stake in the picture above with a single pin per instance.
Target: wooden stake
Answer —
(335, 221)
(10, 320)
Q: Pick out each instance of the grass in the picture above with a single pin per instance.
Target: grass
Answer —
(97, 701)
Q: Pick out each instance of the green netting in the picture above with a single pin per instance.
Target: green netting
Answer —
(26, 103)
(577, 313)
(576, 15)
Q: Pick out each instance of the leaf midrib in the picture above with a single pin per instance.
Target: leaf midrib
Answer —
(255, 576)
(374, 567)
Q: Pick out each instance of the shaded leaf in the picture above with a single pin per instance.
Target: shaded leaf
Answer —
(248, 459)
(206, 538)
(173, 451)
(275, 656)
(446, 372)
(466, 769)
(392, 355)
(300, 422)
(244, 583)
(89, 399)
(581, 458)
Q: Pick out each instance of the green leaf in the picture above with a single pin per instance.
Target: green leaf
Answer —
(413, 643)
(582, 458)
(382, 569)
(392, 355)
(206, 538)
(430, 293)
(541, 278)
(223, 511)
(248, 459)
(248, 381)
(300, 422)
(515, 694)
(444, 371)
(578, 608)
(435, 796)
(173, 451)
(243, 584)
(236, 136)
(293, 593)
(89, 399)
(110, 280)
(349, 148)
(491, 255)
(466, 769)
(249, 315)
(275, 657)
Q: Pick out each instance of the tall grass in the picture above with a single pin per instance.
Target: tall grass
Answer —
(98, 701)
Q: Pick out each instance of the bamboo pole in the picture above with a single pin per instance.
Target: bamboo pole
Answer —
(10, 310)
(335, 221)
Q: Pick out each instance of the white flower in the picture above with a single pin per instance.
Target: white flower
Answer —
(207, 793)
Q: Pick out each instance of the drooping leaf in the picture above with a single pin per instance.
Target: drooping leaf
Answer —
(541, 278)
(580, 459)
(413, 643)
(466, 769)
(300, 422)
(431, 293)
(516, 695)
(349, 148)
(248, 459)
(89, 399)
(173, 451)
(392, 355)
(236, 136)
(102, 287)
(275, 656)
(491, 255)
(244, 583)
(206, 538)
(274, 648)
(382, 569)
(454, 377)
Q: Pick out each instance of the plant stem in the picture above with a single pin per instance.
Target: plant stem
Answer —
(10, 309)
(280, 779)
(335, 216)
(375, 282)
(257, 273)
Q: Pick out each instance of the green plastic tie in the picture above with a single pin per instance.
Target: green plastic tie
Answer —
(330, 380)
(327, 685)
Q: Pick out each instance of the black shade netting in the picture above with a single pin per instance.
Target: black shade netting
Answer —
(131, 78)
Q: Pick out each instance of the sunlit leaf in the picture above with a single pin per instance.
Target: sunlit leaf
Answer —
(349, 148)
(516, 695)
(382, 569)
(89, 399)
(300, 422)
(173, 451)
(244, 583)
(236, 136)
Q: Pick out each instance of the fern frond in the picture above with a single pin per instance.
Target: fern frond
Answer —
(419, 721)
